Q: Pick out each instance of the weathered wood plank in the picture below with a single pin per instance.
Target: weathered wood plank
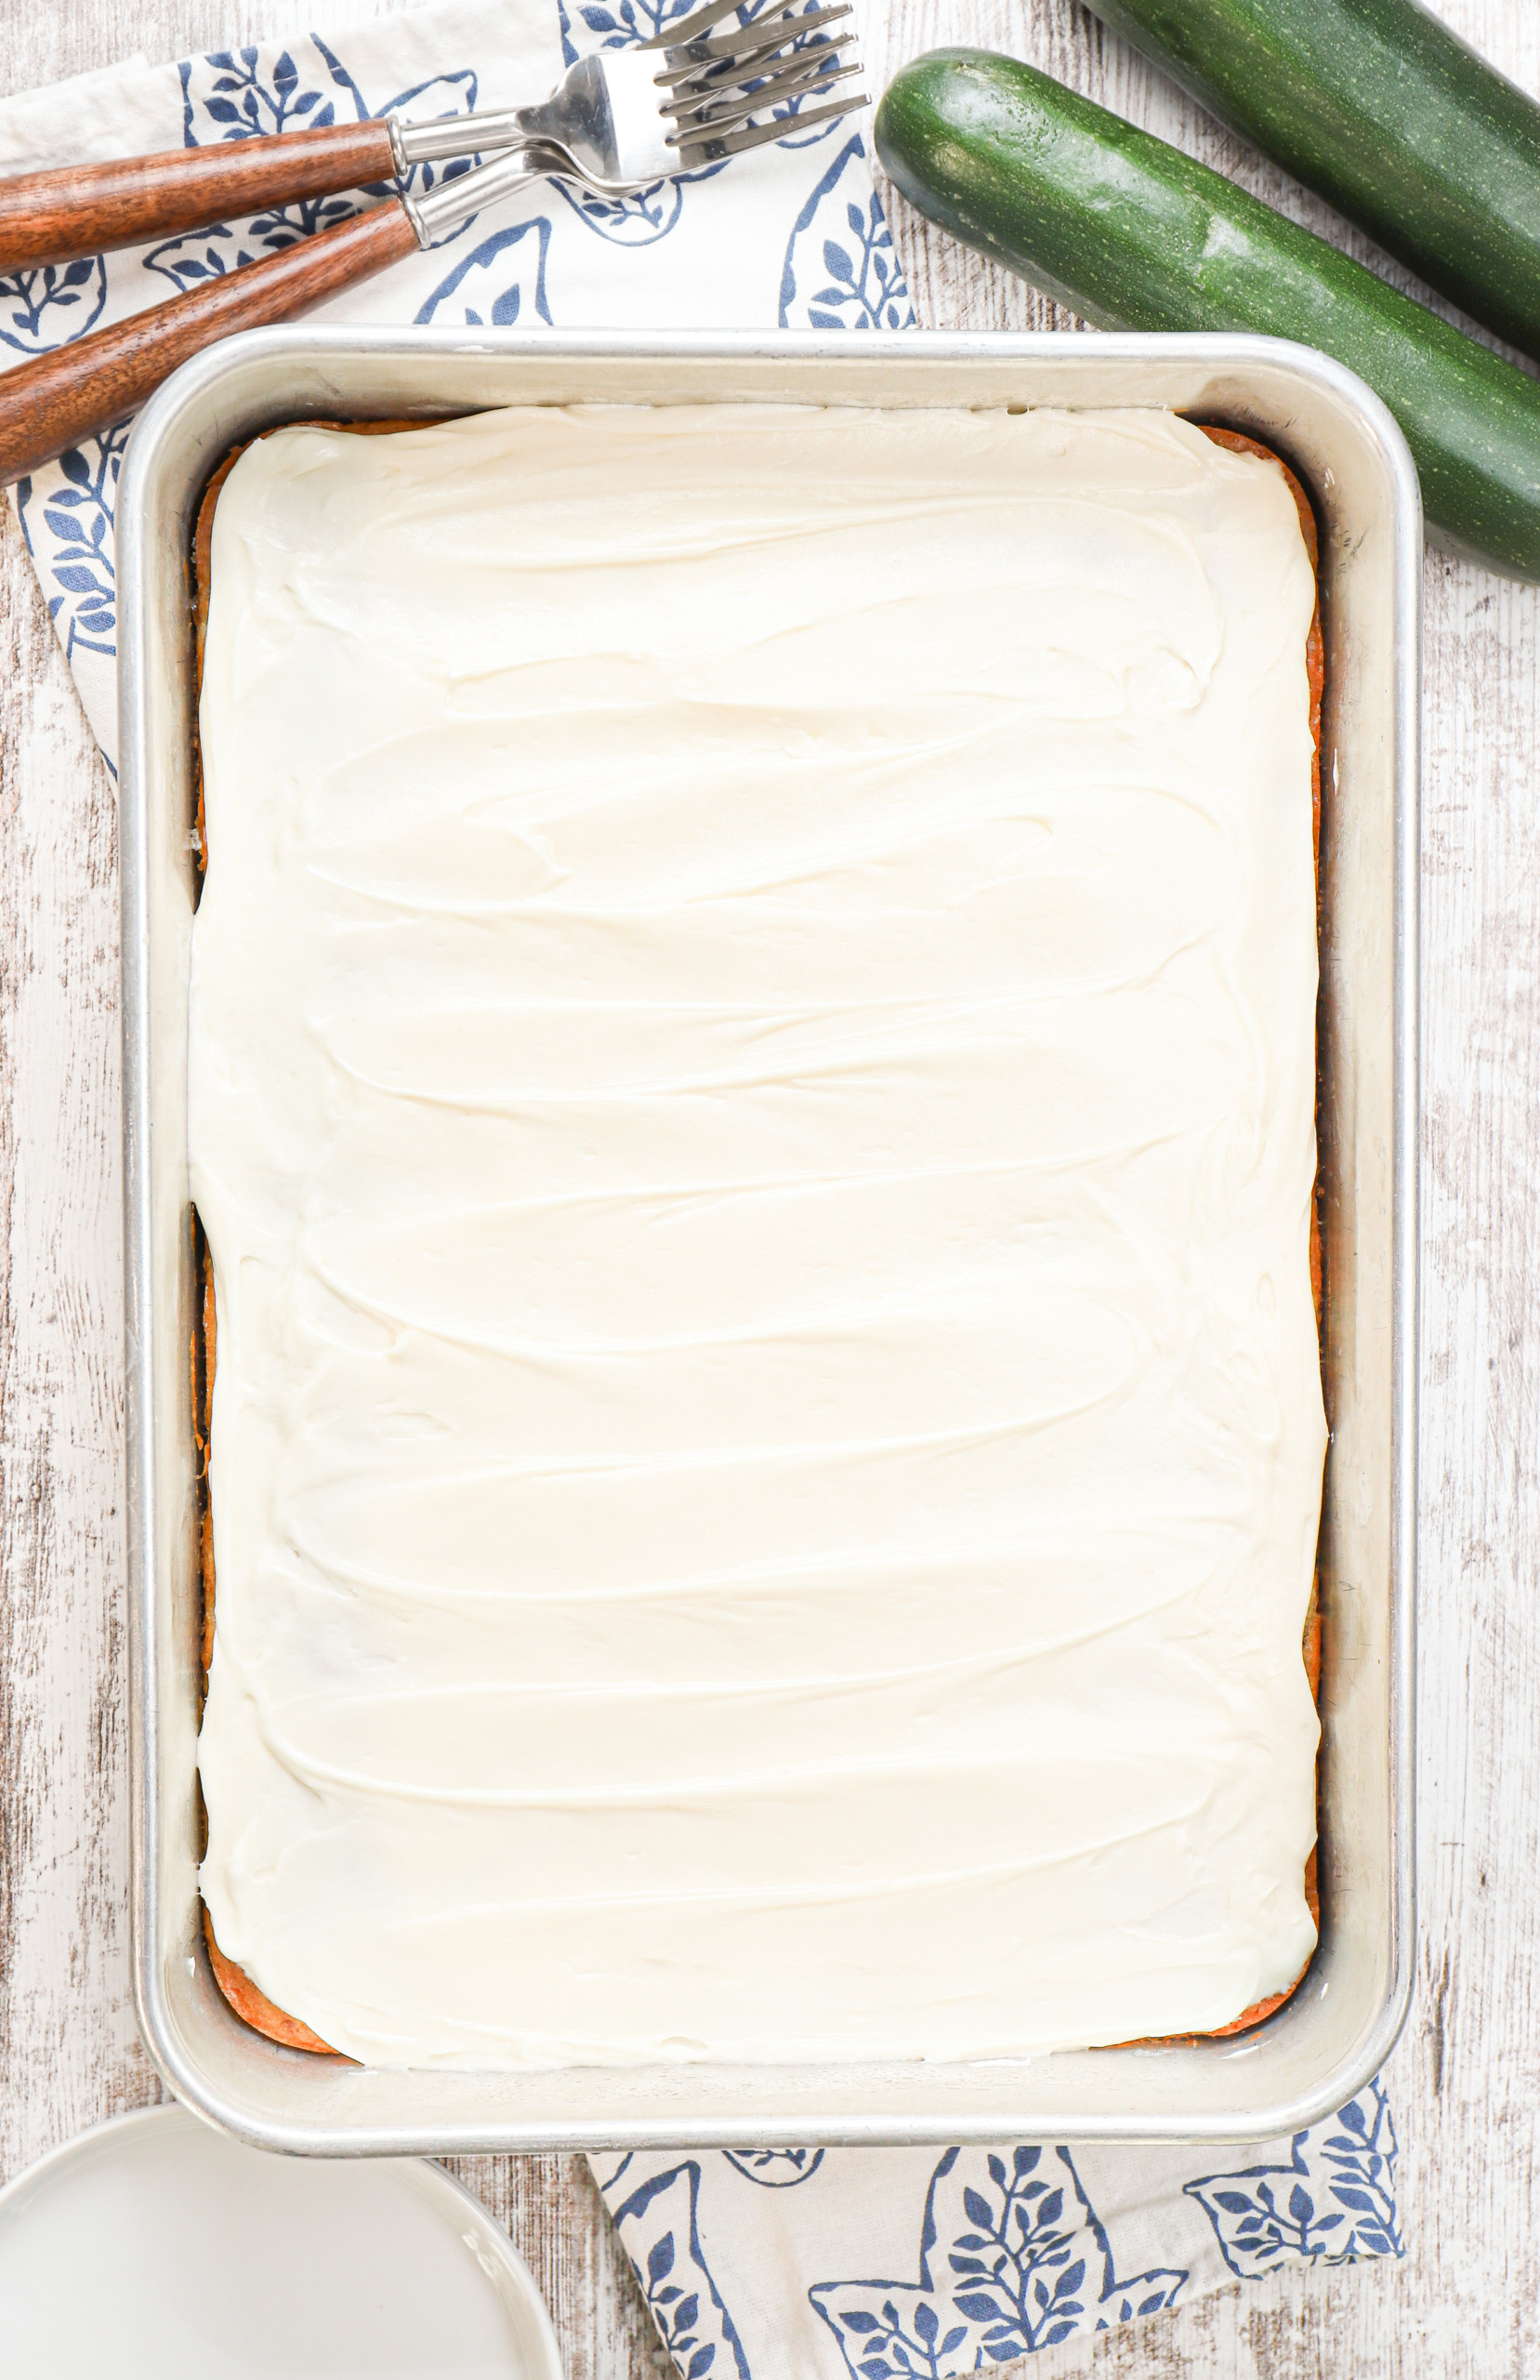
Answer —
(67, 2033)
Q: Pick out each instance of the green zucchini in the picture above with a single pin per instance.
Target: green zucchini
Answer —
(1136, 236)
(1388, 114)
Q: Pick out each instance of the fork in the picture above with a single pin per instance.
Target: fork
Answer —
(619, 120)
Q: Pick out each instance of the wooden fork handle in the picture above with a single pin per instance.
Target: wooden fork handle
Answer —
(79, 210)
(76, 392)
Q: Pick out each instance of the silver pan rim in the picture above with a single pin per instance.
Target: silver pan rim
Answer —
(272, 2098)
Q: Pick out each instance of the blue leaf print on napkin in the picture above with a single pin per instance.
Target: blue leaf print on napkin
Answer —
(76, 552)
(1028, 2266)
(613, 27)
(1334, 2200)
(635, 221)
(775, 2169)
(224, 97)
(840, 271)
(51, 305)
(498, 282)
(682, 2297)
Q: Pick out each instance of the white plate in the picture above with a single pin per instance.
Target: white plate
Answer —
(155, 2246)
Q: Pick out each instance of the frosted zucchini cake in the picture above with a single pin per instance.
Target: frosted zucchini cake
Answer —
(752, 1098)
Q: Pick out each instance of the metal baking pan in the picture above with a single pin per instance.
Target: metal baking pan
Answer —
(1323, 2044)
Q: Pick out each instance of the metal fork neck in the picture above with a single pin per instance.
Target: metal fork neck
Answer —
(444, 135)
(445, 208)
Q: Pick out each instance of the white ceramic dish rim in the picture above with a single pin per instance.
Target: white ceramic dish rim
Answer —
(490, 2236)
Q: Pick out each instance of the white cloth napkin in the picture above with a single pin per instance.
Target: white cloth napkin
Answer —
(889, 2264)
(843, 2264)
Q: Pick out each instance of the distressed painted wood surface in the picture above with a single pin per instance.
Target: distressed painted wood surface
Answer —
(1466, 2076)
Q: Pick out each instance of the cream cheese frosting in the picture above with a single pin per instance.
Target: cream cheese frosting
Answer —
(752, 1094)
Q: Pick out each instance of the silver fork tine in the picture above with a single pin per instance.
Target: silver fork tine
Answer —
(723, 101)
(739, 50)
(712, 89)
(691, 28)
(731, 120)
(688, 39)
(714, 147)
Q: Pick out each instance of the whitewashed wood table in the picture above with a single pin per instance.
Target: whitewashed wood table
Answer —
(1466, 2076)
